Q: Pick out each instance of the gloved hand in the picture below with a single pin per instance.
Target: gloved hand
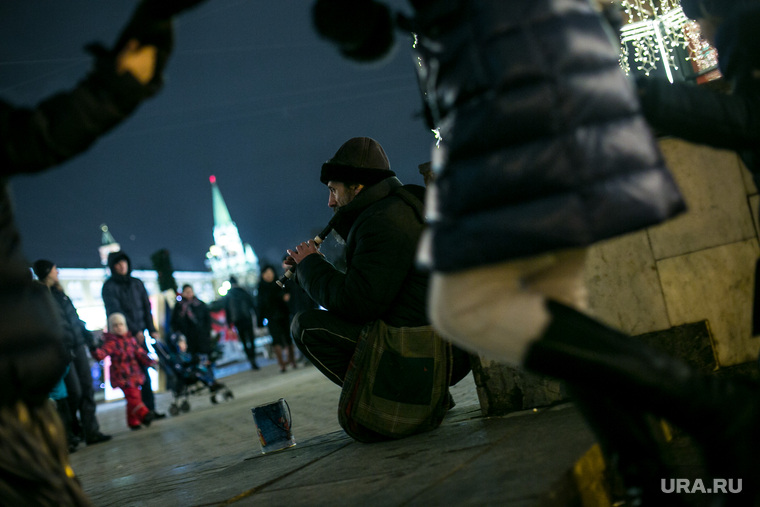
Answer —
(362, 29)
(150, 25)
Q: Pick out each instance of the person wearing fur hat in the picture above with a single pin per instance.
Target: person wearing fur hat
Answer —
(380, 221)
(81, 395)
(125, 294)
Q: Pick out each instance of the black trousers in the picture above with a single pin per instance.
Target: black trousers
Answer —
(146, 391)
(328, 341)
(81, 395)
(247, 336)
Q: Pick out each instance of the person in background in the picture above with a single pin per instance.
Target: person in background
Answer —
(123, 293)
(128, 361)
(78, 339)
(298, 301)
(33, 139)
(272, 311)
(191, 317)
(239, 309)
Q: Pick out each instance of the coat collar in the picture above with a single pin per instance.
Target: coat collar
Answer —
(347, 215)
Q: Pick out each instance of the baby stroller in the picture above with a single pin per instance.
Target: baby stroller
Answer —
(187, 376)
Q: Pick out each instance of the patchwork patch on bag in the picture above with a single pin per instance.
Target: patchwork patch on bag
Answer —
(404, 379)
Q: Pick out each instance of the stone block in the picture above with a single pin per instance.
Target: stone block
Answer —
(712, 183)
(623, 285)
(503, 389)
(690, 342)
(716, 285)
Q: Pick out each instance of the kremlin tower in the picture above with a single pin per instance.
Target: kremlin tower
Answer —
(229, 256)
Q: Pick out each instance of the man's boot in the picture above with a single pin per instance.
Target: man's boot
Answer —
(722, 415)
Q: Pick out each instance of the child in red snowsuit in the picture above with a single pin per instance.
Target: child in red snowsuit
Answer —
(126, 357)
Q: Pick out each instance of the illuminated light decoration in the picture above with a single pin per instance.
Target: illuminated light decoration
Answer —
(659, 37)
(422, 73)
(229, 256)
(437, 133)
(705, 56)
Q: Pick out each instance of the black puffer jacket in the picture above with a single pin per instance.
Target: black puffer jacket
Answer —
(706, 116)
(126, 294)
(544, 146)
(381, 226)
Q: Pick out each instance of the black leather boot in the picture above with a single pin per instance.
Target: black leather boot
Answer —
(722, 415)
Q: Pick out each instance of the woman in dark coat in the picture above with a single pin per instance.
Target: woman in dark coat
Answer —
(191, 317)
(272, 305)
(544, 152)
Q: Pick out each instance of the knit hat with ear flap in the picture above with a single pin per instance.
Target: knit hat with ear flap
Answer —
(359, 160)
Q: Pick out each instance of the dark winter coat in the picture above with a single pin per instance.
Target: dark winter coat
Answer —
(31, 140)
(703, 115)
(544, 146)
(239, 305)
(381, 226)
(127, 295)
(126, 357)
(75, 331)
(271, 304)
(193, 320)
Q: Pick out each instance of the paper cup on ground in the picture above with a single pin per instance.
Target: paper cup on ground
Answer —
(273, 426)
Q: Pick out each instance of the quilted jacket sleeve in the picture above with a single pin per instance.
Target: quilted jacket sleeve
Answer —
(702, 115)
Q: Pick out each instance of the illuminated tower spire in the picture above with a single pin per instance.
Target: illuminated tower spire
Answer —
(229, 256)
(107, 244)
(221, 213)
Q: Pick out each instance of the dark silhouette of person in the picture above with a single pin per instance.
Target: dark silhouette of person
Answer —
(78, 339)
(240, 312)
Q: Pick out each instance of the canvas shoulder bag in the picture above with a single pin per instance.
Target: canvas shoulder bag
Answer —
(397, 383)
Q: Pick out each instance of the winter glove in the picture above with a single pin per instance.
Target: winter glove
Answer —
(150, 25)
(362, 29)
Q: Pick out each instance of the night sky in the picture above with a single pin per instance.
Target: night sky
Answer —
(252, 95)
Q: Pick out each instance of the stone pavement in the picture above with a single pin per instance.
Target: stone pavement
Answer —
(210, 455)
